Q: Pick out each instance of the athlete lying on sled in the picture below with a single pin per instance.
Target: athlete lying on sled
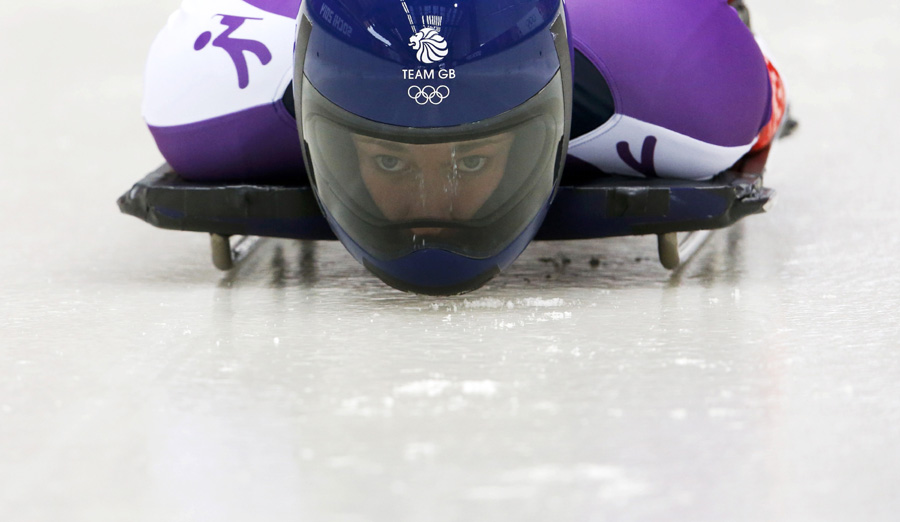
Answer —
(434, 132)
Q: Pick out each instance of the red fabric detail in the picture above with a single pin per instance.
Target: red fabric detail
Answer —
(779, 109)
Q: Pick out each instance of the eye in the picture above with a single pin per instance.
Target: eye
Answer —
(389, 163)
(472, 163)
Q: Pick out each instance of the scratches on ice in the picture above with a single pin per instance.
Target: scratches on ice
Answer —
(435, 387)
(612, 484)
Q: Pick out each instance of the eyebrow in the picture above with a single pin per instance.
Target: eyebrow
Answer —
(467, 146)
(389, 145)
(403, 147)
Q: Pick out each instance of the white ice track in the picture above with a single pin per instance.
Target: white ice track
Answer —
(760, 383)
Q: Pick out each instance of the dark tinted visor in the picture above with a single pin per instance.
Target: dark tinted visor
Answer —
(469, 189)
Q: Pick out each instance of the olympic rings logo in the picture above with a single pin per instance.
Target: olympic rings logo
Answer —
(429, 94)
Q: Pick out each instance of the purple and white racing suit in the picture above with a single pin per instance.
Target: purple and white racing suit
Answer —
(685, 87)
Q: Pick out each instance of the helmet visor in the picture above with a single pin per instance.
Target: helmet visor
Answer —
(469, 189)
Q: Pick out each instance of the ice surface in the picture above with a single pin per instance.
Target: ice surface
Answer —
(761, 382)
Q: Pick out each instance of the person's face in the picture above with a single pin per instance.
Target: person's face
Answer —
(442, 182)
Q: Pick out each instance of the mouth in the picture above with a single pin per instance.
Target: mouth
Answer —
(430, 224)
(426, 232)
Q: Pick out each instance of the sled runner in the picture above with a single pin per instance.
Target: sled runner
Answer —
(588, 205)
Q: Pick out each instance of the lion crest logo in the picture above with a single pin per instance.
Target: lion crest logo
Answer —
(429, 45)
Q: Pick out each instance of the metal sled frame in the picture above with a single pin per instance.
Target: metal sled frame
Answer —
(589, 204)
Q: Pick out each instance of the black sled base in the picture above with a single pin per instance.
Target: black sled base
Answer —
(588, 205)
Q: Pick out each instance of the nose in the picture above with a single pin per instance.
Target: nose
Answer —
(436, 195)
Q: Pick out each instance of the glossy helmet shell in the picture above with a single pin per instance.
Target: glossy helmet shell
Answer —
(423, 69)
